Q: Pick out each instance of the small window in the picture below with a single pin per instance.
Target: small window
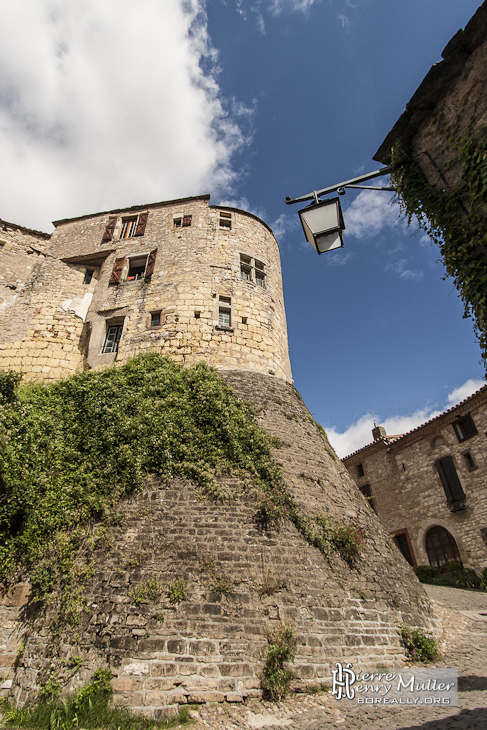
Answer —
(88, 276)
(177, 222)
(155, 319)
(437, 441)
(129, 226)
(464, 428)
(244, 320)
(469, 461)
(225, 219)
(225, 312)
(1, 246)
(197, 314)
(360, 470)
(224, 317)
(112, 339)
(137, 268)
(252, 270)
(367, 492)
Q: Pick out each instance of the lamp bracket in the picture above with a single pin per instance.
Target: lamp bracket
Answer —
(347, 184)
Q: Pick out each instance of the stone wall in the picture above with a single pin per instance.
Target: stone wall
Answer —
(449, 106)
(406, 487)
(197, 271)
(42, 308)
(242, 577)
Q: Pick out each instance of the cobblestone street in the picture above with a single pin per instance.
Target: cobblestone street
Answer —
(464, 645)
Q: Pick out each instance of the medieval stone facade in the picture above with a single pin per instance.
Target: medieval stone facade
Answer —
(191, 281)
(429, 487)
(196, 283)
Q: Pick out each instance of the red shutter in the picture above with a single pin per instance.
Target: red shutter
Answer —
(187, 220)
(109, 230)
(117, 271)
(141, 223)
(149, 269)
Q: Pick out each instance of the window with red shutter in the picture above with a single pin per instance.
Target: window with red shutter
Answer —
(187, 220)
(141, 224)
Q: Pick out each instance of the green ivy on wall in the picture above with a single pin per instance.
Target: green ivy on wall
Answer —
(456, 219)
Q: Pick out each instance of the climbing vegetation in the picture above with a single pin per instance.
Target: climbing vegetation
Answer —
(455, 218)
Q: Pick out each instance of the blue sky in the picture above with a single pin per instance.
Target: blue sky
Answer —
(117, 103)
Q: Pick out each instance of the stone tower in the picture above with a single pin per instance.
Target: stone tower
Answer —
(191, 281)
(194, 282)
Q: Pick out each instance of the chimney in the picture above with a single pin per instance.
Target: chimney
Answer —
(378, 432)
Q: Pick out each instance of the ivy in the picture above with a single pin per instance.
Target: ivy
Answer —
(455, 219)
(70, 451)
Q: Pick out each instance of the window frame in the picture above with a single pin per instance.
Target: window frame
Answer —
(118, 327)
(464, 428)
(225, 220)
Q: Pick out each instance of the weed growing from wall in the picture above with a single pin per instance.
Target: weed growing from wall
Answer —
(89, 708)
(419, 646)
(276, 677)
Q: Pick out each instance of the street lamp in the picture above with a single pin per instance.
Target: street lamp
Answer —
(323, 224)
(322, 220)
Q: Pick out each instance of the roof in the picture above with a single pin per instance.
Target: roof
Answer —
(133, 208)
(395, 439)
(436, 84)
(38, 234)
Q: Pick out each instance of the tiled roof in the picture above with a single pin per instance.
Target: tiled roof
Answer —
(395, 439)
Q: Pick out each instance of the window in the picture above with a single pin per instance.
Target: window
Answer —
(137, 268)
(464, 428)
(225, 312)
(112, 339)
(259, 274)
(225, 219)
(441, 547)
(155, 319)
(469, 461)
(126, 226)
(88, 276)
(360, 470)
(452, 487)
(367, 492)
(134, 268)
(252, 270)
(245, 267)
(182, 221)
(401, 539)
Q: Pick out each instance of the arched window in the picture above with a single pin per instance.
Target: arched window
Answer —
(441, 546)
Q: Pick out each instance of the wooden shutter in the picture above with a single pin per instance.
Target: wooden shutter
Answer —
(109, 230)
(449, 479)
(117, 271)
(187, 220)
(149, 269)
(141, 223)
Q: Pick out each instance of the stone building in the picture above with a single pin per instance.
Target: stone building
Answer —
(429, 486)
(184, 278)
(194, 282)
(449, 106)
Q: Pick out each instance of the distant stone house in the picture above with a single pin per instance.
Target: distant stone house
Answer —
(429, 486)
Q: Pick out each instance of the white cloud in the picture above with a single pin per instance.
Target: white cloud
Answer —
(359, 434)
(283, 224)
(106, 104)
(370, 214)
(399, 266)
(464, 391)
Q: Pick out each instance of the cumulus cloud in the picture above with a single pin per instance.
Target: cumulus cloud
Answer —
(110, 104)
(464, 391)
(370, 214)
(359, 434)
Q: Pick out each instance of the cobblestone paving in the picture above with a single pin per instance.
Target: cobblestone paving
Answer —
(464, 615)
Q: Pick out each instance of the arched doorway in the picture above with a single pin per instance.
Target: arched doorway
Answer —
(441, 546)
